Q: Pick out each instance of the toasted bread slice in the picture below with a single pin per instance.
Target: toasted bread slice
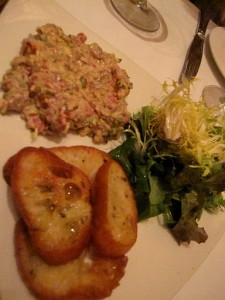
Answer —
(114, 229)
(53, 198)
(87, 277)
(86, 158)
(8, 167)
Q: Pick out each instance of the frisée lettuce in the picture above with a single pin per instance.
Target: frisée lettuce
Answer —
(174, 156)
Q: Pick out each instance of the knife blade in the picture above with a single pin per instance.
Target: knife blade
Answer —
(194, 55)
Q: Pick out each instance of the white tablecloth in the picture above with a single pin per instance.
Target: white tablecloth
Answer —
(164, 59)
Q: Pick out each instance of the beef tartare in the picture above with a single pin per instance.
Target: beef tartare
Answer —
(60, 84)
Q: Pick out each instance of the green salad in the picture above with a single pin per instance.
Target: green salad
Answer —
(174, 156)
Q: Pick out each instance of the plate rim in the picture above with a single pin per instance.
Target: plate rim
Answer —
(215, 47)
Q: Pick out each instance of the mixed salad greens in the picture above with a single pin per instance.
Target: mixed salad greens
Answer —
(174, 156)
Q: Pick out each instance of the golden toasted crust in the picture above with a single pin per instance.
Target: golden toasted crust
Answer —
(86, 158)
(53, 198)
(114, 229)
(8, 168)
(52, 189)
(88, 277)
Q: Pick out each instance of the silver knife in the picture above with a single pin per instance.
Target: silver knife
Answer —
(194, 55)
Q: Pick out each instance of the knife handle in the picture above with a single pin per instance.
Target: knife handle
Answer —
(193, 58)
(194, 55)
(204, 17)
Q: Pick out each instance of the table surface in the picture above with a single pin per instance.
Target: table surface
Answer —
(163, 59)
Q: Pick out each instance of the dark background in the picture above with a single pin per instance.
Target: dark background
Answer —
(217, 8)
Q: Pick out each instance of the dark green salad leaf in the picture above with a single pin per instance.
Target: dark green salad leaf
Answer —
(174, 157)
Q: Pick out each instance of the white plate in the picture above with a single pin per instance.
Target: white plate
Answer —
(157, 266)
(217, 46)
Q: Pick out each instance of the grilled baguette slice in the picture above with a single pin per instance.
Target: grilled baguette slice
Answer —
(8, 168)
(87, 277)
(114, 229)
(53, 199)
(86, 158)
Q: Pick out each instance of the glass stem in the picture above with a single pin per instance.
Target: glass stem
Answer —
(141, 3)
